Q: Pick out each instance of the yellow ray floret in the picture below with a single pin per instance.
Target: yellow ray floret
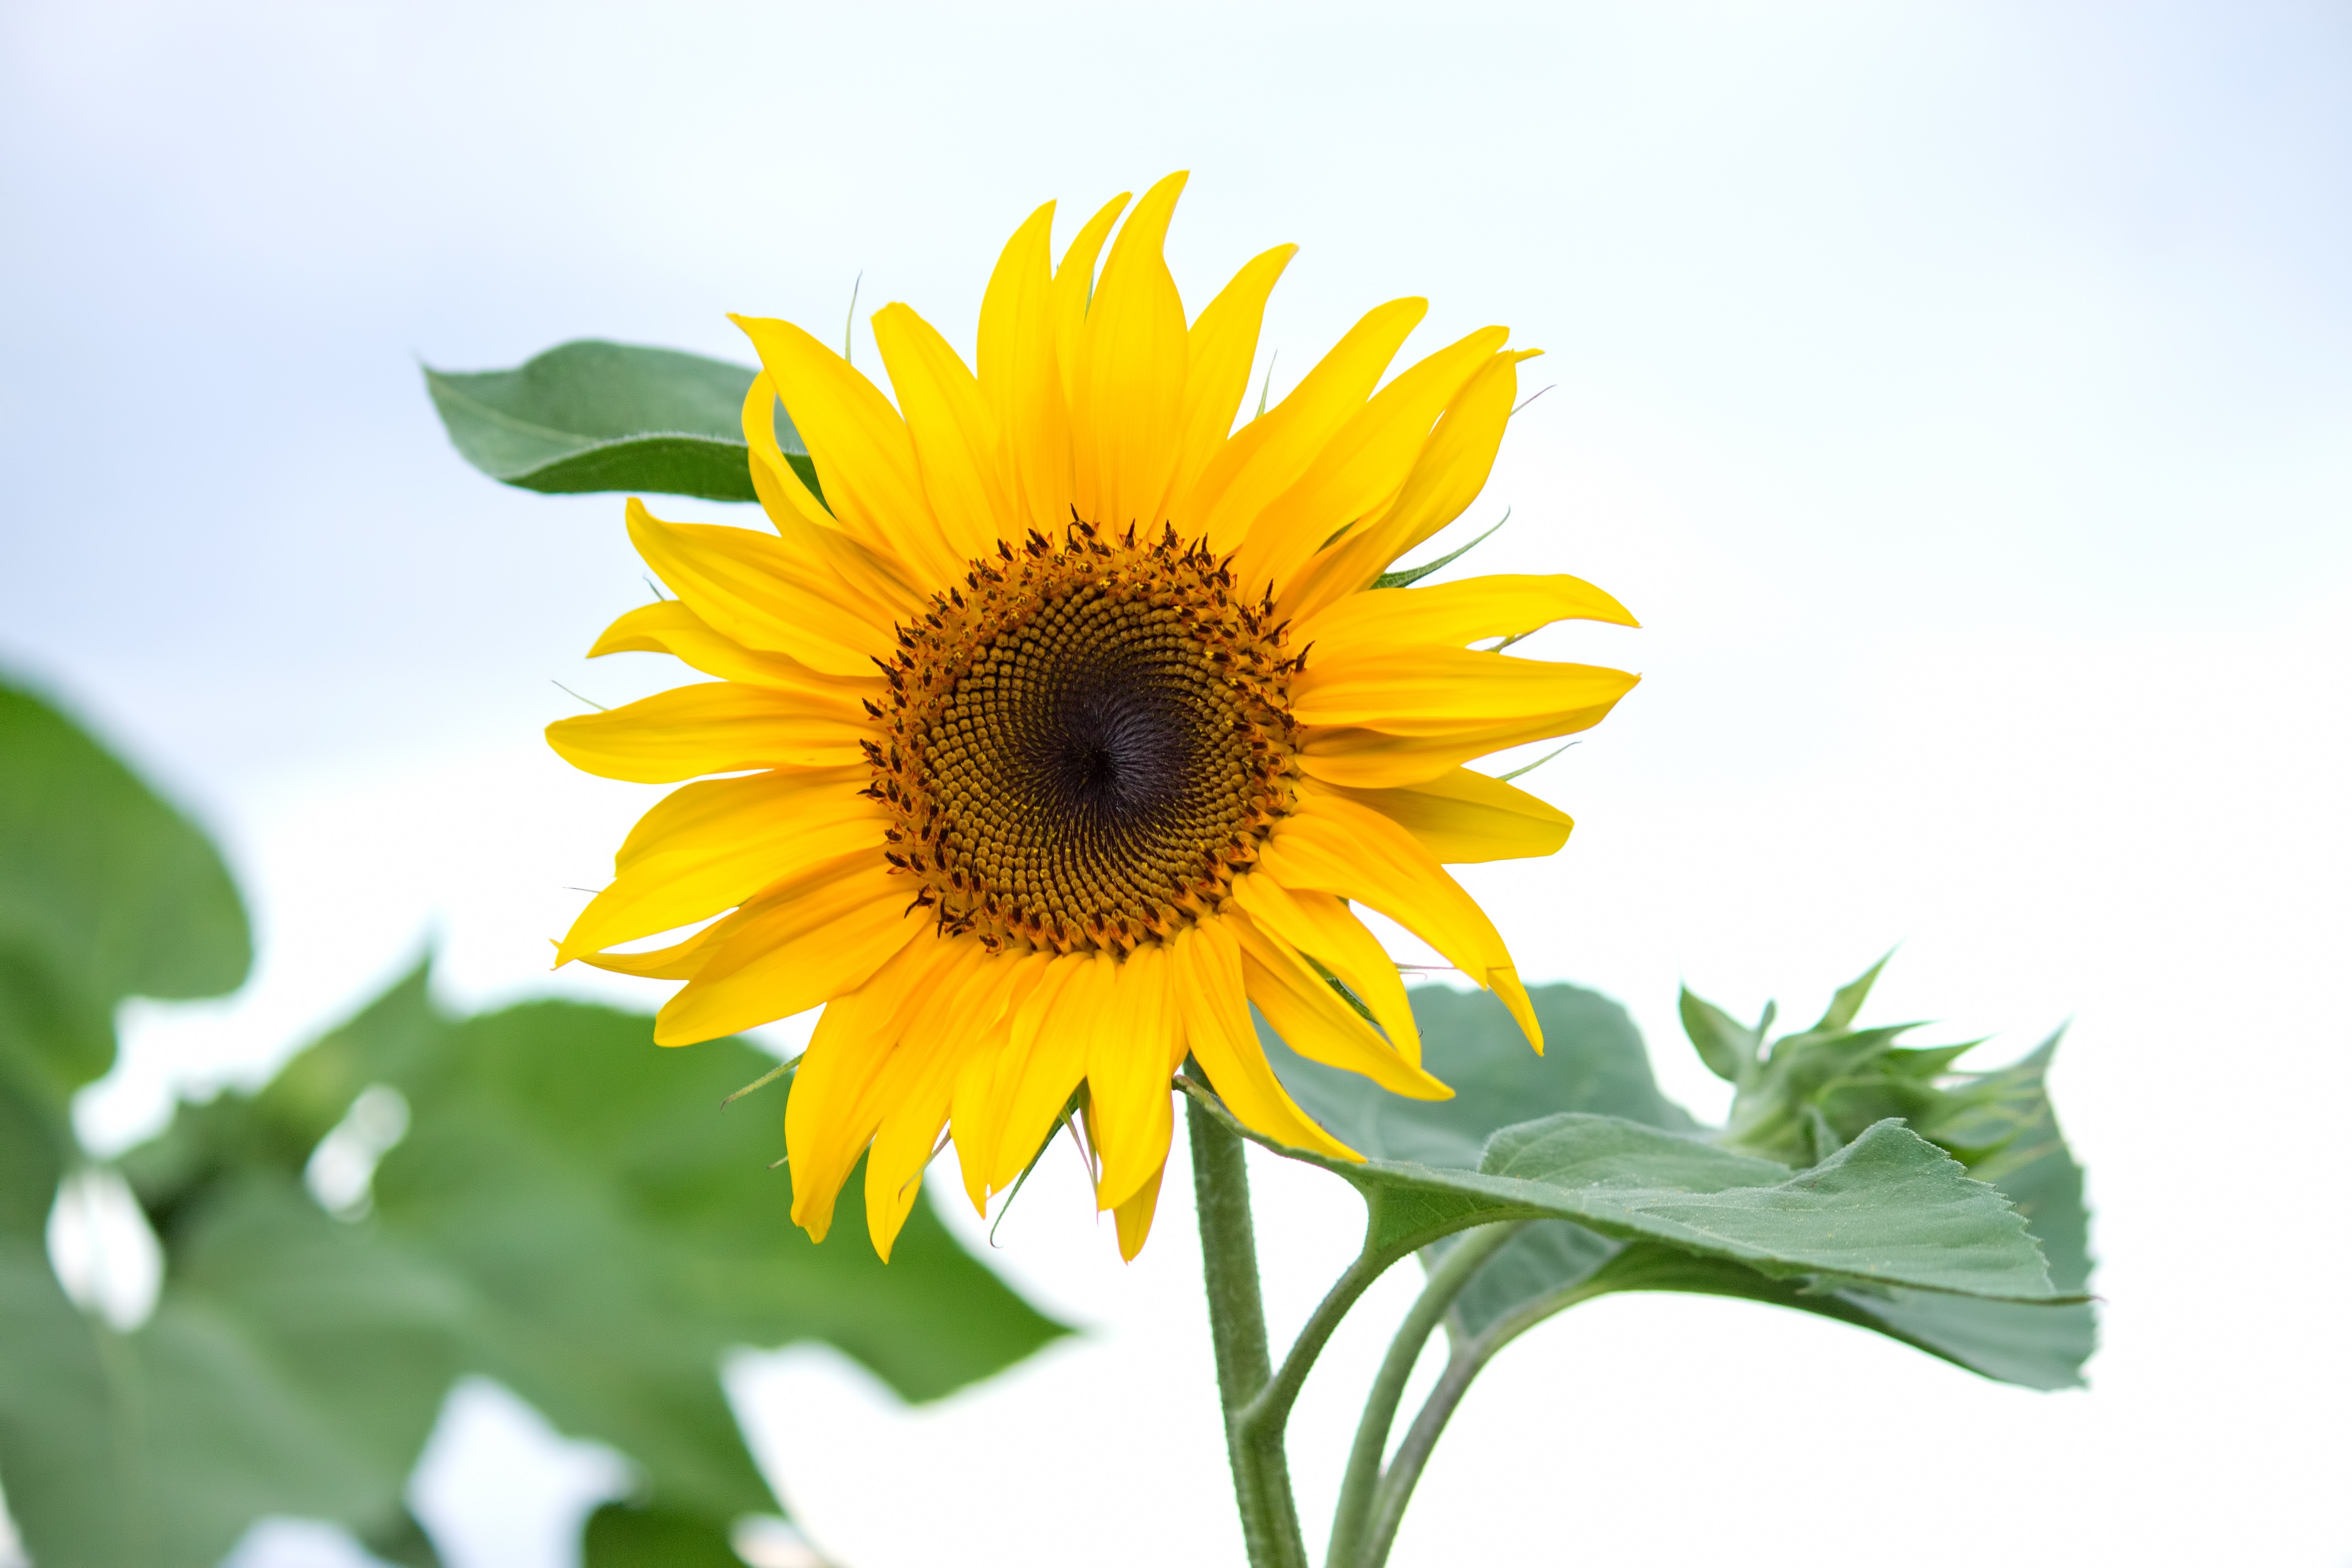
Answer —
(1058, 742)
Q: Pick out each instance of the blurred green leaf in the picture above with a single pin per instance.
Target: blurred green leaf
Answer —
(106, 892)
(595, 415)
(572, 1212)
(290, 1368)
(620, 1233)
(620, 1535)
(604, 1230)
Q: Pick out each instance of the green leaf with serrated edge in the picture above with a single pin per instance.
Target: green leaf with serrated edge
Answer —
(1405, 578)
(1472, 1044)
(1548, 1267)
(1594, 1061)
(1998, 1123)
(595, 415)
(1890, 1208)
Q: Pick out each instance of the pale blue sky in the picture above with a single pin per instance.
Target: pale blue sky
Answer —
(1962, 394)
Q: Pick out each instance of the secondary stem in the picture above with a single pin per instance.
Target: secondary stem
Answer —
(1395, 1489)
(1237, 1330)
(1351, 1521)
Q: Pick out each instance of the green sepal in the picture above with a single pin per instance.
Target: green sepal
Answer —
(1406, 576)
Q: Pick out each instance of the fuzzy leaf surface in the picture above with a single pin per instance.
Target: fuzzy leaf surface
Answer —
(594, 415)
(1594, 1064)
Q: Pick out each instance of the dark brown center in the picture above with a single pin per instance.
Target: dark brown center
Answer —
(1086, 746)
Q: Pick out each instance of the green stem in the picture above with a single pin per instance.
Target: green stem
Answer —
(1395, 1489)
(1267, 1417)
(1237, 1330)
(1351, 1521)
(1412, 1454)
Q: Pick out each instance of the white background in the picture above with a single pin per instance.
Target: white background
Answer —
(1959, 392)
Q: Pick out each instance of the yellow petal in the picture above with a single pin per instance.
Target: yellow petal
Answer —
(1134, 1216)
(747, 585)
(1022, 378)
(783, 495)
(1129, 1061)
(977, 1116)
(872, 583)
(666, 625)
(802, 943)
(1454, 614)
(1445, 479)
(712, 844)
(1074, 288)
(1334, 846)
(1210, 995)
(680, 961)
(863, 456)
(1127, 397)
(953, 429)
(1463, 816)
(1359, 469)
(718, 727)
(914, 1087)
(1313, 1019)
(1370, 759)
(834, 1109)
(1450, 690)
(1047, 1056)
(1219, 350)
(1324, 928)
(1269, 453)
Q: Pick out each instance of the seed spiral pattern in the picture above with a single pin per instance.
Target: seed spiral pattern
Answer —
(1086, 744)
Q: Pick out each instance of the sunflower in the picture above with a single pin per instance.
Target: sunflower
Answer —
(1063, 726)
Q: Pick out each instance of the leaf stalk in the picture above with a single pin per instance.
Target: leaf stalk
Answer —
(1351, 1521)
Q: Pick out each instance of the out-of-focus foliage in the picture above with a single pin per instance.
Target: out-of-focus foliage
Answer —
(1594, 1067)
(105, 892)
(570, 1212)
(595, 415)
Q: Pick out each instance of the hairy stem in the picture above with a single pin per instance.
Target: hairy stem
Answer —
(1268, 1415)
(1468, 1361)
(1351, 1521)
(1237, 1330)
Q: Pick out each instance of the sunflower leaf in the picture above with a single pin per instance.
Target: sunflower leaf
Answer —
(572, 1211)
(620, 1535)
(106, 892)
(1594, 1066)
(594, 415)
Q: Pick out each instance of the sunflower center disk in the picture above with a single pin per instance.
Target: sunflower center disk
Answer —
(1086, 743)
